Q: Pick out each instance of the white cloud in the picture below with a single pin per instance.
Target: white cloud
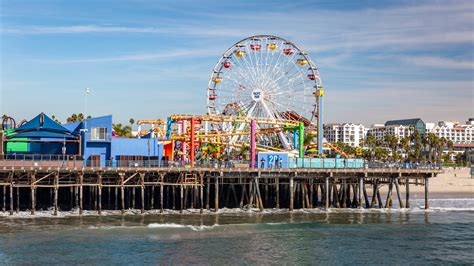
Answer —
(439, 62)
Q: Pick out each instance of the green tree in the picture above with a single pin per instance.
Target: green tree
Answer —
(122, 131)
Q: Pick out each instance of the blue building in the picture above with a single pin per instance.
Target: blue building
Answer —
(102, 149)
(90, 140)
(42, 137)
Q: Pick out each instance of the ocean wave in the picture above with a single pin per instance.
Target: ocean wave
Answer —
(173, 225)
(436, 205)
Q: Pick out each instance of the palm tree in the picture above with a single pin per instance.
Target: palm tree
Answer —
(432, 143)
(122, 131)
(416, 139)
(391, 142)
(371, 142)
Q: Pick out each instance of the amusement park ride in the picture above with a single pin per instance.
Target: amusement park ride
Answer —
(264, 93)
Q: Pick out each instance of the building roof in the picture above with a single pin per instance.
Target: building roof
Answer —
(42, 126)
(73, 127)
(412, 121)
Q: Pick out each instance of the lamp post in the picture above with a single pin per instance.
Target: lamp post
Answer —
(84, 130)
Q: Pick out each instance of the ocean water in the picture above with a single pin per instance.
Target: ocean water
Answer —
(442, 235)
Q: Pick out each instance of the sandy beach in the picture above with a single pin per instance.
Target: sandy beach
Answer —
(453, 183)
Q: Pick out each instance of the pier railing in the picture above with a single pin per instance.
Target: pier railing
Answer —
(64, 161)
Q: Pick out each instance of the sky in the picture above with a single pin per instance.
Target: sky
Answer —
(378, 60)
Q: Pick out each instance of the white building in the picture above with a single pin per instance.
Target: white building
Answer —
(455, 132)
(379, 131)
(349, 133)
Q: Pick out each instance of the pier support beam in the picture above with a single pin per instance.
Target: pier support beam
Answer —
(162, 176)
(277, 193)
(216, 193)
(426, 193)
(361, 190)
(33, 196)
(56, 187)
(292, 193)
(399, 195)
(407, 194)
(142, 192)
(326, 193)
(11, 194)
(208, 191)
(99, 193)
(122, 193)
(201, 192)
(81, 191)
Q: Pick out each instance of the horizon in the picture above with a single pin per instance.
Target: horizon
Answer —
(146, 60)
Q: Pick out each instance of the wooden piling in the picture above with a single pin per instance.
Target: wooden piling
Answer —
(292, 193)
(374, 192)
(426, 193)
(122, 193)
(208, 191)
(407, 192)
(18, 199)
(326, 193)
(142, 192)
(181, 196)
(201, 193)
(99, 193)
(161, 192)
(4, 206)
(11, 195)
(277, 193)
(388, 202)
(56, 186)
(81, 191)
(216, 193)
(152, 197)
(399, 195)
(361, 191)
(33, 196)
(259, 197)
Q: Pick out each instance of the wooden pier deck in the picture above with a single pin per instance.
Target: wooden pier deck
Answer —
(64, 188)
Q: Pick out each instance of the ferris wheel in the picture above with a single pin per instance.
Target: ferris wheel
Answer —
(267, 77)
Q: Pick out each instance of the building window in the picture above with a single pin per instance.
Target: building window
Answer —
(99, 133)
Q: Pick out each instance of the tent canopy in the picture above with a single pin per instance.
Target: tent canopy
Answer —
(42, 126)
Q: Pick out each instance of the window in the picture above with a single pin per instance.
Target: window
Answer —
(99, 133)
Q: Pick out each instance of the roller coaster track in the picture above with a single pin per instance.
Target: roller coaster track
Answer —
(233, 119)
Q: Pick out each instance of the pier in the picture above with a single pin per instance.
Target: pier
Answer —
(66, 188)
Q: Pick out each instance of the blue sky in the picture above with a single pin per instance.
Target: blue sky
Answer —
(378, 60)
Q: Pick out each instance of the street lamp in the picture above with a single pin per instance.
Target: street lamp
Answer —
(88, 91)
(84, 130)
